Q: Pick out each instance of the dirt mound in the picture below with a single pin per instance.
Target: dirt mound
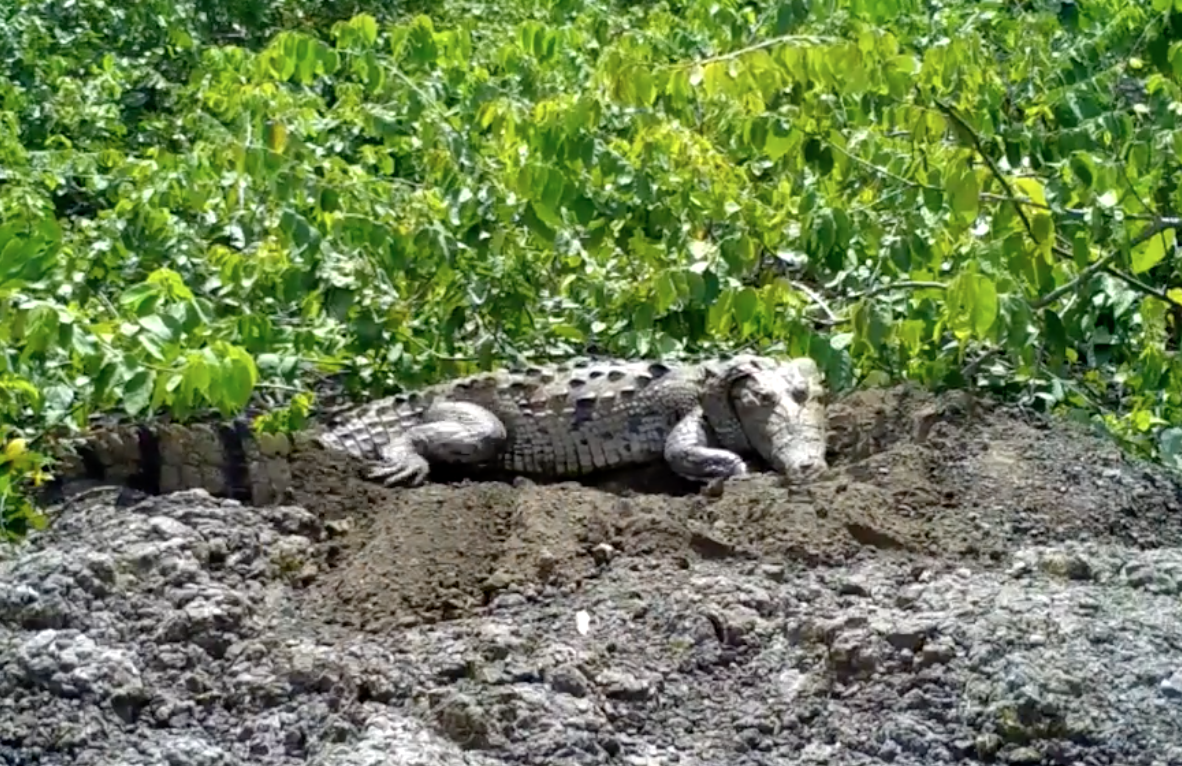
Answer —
(946, 477)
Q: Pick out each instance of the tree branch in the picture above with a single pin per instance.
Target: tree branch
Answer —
(990, 196)
(993, 168)
(1159, 224)
(830, 316)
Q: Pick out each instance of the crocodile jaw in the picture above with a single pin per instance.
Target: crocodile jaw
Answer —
(782, 412)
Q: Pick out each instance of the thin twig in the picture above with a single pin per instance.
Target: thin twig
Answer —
(1076, 212)
(1079, 279)
(1144, 287)
(807, 39)
(881, 170)
(972, 368)
(906, 284)
(833, 319)
(993, 168)
(1148, 233)
(991, 196)
(816, 298)
(1145, 235)
(1159, 225)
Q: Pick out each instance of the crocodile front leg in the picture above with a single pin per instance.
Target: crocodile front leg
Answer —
(689, 451)
(451, 432)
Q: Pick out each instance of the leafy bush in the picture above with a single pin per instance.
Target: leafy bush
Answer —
(203, 199)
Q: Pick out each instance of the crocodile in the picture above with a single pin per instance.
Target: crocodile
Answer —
(554, 422)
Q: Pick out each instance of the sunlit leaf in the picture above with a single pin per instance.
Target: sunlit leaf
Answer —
(1151, 252)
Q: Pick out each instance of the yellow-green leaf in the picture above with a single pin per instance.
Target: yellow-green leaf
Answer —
(1151, 252)
(568, 331)
(276, 136)
(963, 191)
(1031, 189)
(367, 25)
(983, 310)
(746, 305)
(14, 449)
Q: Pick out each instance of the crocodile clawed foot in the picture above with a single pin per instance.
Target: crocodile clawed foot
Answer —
(408, 473)
(713, 487)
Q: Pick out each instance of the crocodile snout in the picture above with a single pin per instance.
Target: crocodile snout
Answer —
(810, 467)
(803, 466)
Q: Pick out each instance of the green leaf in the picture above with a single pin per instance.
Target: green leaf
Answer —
(551, 192)
(1081, 249)
(643, 316)
(367, 26)
(137, 392)
(972, 305)
(757, 131)
(1151, 252)
(1043, 228)
(812, 150)
(534, 219)
(933, 198)
(27, 254)
(642, 87)
(568, 331)
(1082, 166)
(159, 327)
(910, 333)
(984, 305)
(1056, 334)
(789, 14)
(195, 379)
(141, 299)
(739, 253)
(666, 291)
(305, 58)
(964, 192)
(276, 136)
(720, 315)
(1031, 189)
(236, 382)
(1170, 441)
(678, 87)
(715, 79)
(746, 304)
(778, 140)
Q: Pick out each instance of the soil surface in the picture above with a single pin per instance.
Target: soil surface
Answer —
(949, 477)
(966, 584)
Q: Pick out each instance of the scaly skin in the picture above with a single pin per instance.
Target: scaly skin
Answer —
(553, 422)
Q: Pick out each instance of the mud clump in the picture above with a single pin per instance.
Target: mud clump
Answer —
(911, 474)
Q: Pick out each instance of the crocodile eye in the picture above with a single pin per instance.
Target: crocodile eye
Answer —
(754, 396)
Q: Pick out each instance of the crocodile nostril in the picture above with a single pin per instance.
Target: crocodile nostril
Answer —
(810, 467)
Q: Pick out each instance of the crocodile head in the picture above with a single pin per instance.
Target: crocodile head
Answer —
(773, 408)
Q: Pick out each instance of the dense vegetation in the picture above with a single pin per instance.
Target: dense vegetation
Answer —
(202, 199)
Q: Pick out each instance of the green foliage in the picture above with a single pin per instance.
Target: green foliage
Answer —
(198, 199)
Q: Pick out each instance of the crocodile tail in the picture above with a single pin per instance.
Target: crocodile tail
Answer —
(225, 459)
